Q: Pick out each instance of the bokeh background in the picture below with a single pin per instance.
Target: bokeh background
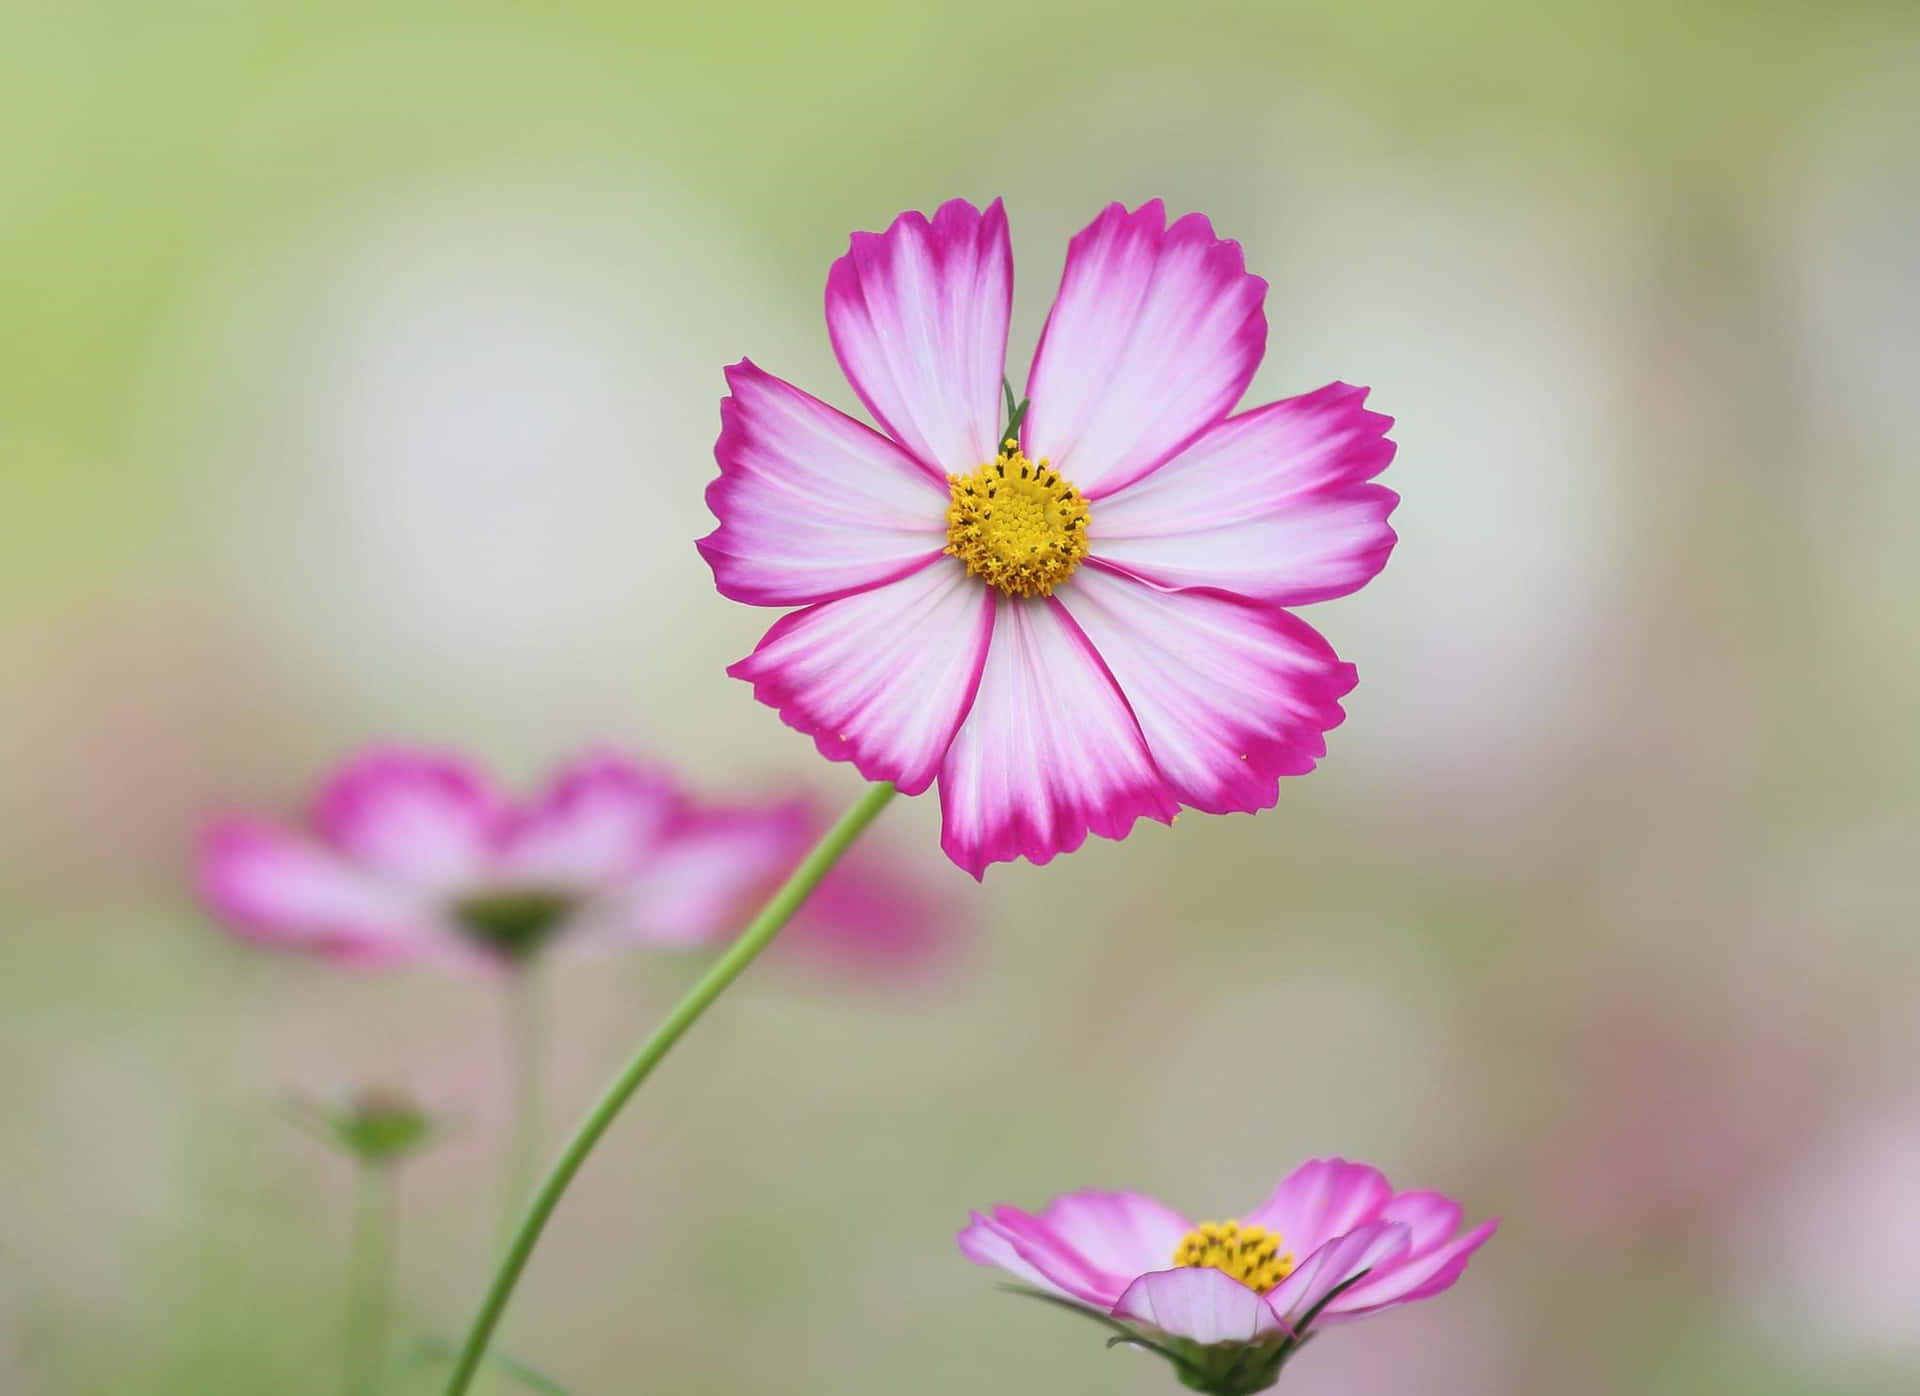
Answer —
(359, 379)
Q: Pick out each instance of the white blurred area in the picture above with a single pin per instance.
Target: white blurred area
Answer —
(1829, 1269)
(461, 437)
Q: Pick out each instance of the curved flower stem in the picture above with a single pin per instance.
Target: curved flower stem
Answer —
(757, 936)
(369, 1278)
(526, 1031)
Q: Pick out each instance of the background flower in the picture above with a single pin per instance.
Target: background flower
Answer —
(415, 857)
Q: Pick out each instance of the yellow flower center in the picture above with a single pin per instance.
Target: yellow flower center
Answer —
(1016, 524)
(1251, 1254)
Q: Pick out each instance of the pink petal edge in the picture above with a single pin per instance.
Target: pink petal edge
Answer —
(277, 888)
(1199, 1304)
(423, 819)
(1126, 1233)
(812, 504)
(918, 316)
(1053, 1258)
(708, 872)
(1230, 694)
(1416, 1277)
(1321, 1200)
(985, 1242)
(1049, 751)
(1153, 337)
(882, 678)
(1277, 503)
(1373, 1249)
(600, 816)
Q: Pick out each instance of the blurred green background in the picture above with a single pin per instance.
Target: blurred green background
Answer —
(359, 378)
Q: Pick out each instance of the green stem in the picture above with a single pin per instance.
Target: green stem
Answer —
(369, 1279)
(526, 1034)
(757, 936)
(1016, 412)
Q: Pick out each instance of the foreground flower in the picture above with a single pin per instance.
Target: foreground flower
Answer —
(1228, 1302)
(1077, 618)
(415, 857)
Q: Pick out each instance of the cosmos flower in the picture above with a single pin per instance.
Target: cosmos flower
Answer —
(1075, 616)
(1228, 1302)
(415, 857)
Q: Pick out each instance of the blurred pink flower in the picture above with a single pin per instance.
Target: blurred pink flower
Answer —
(1675, 1110)
(876, 916)
(1079, 618)
(1850, 1216)
(1230, 1301)
(416, 858)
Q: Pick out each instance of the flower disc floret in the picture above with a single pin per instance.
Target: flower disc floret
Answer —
(1017, 524)
(1249, 1254)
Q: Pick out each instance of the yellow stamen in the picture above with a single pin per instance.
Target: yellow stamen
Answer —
(1017, 524)
(1250, 1254)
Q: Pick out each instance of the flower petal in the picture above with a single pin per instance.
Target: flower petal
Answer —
(1321, 1199)
(985, 1242)
(1049, 752)
(918, 318)
(1430, 1218)
(1127, 1233)
(279, 889)
(1026, 1246)
(423, 821)
(1416, 1277)
(1198, 1303)
(1275, 503)
(881, 678)
(1373, 1249)
(811, 503)
(708, 872)
(1153, 337)
(598, 820)
(1231, 694)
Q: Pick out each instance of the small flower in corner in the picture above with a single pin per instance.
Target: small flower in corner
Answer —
(1227, 1303)
(1078, 614)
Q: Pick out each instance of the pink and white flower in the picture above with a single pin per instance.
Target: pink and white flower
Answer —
(1229, 1302)
(1078, 619)
(417, 857)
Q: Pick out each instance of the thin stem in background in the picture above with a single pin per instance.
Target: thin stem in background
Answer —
(526, 1011)
(757, 936)
(369, 1278)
